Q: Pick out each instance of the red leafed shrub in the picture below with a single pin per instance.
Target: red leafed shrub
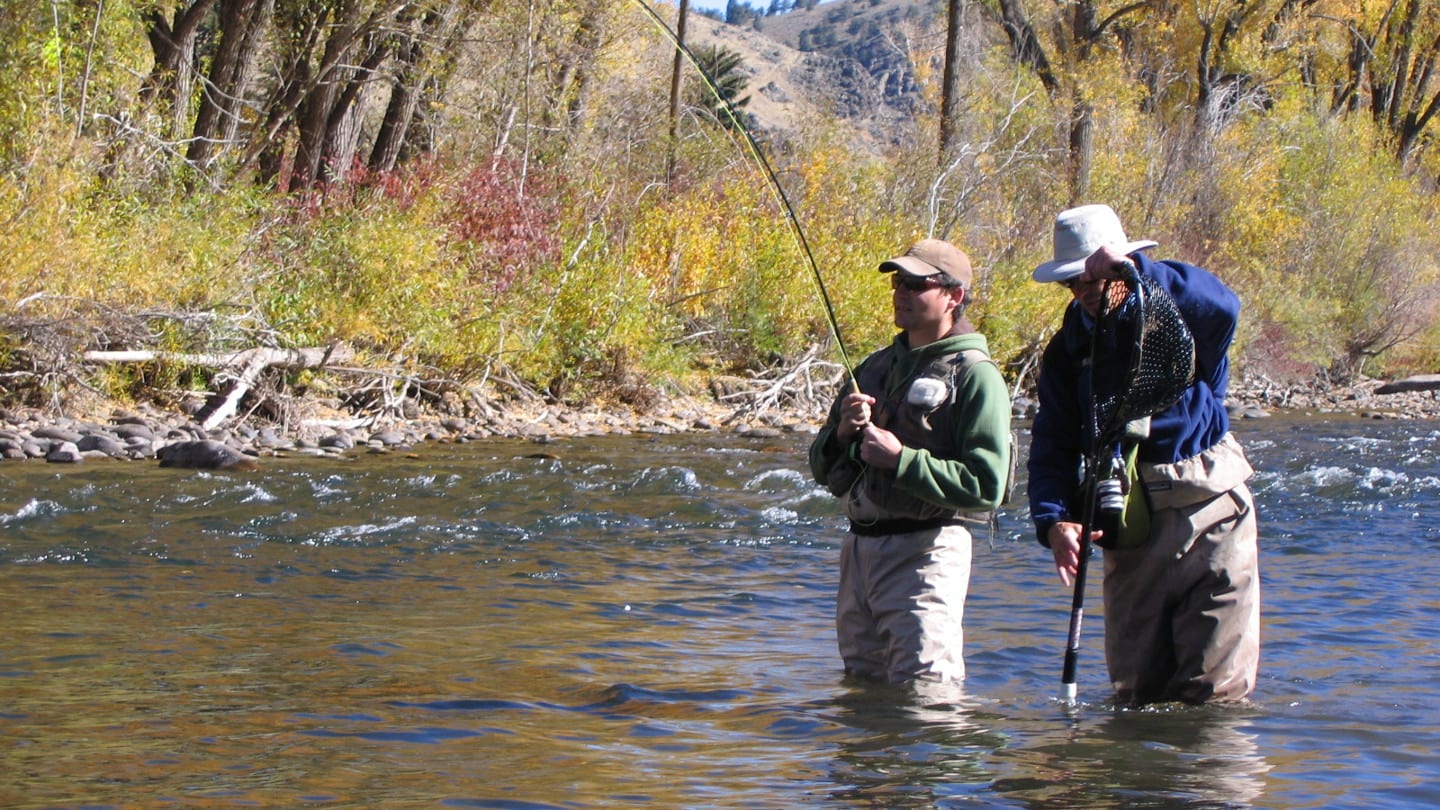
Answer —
(403, 186)
(508, 218)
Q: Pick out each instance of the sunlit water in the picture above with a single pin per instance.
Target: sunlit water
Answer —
(646, 622)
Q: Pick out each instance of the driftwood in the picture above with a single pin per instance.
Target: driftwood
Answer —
(1420, 382)
(250, 363)
(807, 385)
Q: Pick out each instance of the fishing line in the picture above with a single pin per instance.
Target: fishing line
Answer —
(779, 190)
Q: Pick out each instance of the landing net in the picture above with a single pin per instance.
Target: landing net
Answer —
(1152, 362)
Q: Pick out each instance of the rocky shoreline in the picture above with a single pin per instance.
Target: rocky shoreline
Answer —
(146, 433)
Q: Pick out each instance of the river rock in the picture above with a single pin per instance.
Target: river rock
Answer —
(1244, 410)
(57, 433)
(269, 439)
(64, 453)
(138, 449)
(127, 418)
(101, 442)
(389, 438)
(203, 455)
(130, 430)
(337, 441)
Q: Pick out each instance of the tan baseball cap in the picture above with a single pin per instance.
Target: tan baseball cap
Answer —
(930, 257)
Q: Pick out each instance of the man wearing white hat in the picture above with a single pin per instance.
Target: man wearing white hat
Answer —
(918, 446)
(1182, 596)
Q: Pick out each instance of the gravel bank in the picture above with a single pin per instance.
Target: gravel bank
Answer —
(172, 439)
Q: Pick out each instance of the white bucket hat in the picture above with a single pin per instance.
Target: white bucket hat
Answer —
(1080, 232)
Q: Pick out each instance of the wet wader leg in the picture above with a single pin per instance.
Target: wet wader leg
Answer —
(941, 605)
(1217, 626)
(861, 646)
(901, 604)
(919, 603)
(1182, 611)
(1138, 649)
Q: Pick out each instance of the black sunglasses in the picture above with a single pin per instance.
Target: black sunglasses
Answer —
(914, 283)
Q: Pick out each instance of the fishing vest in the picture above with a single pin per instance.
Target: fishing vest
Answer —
(920, 412)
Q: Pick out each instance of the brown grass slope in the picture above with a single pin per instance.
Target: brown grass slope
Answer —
(844, 59)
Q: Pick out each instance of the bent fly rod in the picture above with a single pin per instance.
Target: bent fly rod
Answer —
(774, 181)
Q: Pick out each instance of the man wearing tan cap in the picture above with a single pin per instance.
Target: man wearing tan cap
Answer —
(917, 447)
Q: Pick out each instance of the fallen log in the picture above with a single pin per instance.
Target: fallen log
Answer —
(280, 358)
(1420, 382)
(249, 362)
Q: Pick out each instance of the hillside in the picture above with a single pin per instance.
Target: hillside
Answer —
(845, 58)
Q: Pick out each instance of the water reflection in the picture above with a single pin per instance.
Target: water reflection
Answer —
(1171, 756)
(934, 746)
(914, 744)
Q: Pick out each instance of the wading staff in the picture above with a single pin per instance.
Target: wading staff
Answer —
(1087, 522)
(1102, 430)
(779, 190)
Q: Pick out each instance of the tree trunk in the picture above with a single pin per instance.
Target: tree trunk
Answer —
(1025, 46)
(342, 126)
(316, 88)
(675, 86)
(436, 34)
(172, 43)
(241, 24)
(267, 144)
(399, 111)
(581, 65)
(950, 82)
(250, 363)
(1084, 31)
(1082, 126)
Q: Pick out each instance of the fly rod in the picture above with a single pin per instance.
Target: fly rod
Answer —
(1087, 523)
(776, 187)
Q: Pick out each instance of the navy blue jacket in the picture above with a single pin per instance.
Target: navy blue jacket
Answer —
(1060, 433)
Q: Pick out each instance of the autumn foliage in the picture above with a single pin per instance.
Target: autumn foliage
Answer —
(489, 194)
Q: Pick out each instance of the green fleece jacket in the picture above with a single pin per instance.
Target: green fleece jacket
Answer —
(956, 454)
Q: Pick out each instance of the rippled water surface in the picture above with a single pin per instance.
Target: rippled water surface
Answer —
(646, 622)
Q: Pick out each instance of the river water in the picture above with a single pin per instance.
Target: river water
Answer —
(645, 621)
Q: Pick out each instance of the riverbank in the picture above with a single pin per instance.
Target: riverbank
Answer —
(143, 432)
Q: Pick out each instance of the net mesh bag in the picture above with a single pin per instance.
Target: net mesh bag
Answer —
(1152, 361)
